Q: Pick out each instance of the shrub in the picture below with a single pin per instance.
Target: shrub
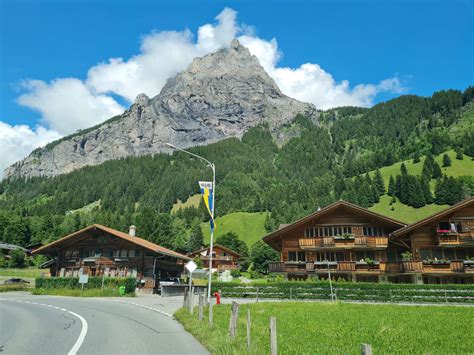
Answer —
(94, 282)
(235, 273)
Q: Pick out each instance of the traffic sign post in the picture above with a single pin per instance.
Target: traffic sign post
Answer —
(190, 266)
(83, 279)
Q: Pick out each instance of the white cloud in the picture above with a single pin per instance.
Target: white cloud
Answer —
(16, 142)
(68, 104)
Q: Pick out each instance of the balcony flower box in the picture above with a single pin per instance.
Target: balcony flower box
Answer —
(345, 236)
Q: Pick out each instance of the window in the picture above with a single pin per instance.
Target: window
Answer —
(437, 253)
(348, 230)
(137, 252)
(461, 254)
(391, 255)
(75, 253)
(425, 254)
(116, 253)
(123, 253)
(328, 231)
(296, 256)
(449, 254)
(337, 230)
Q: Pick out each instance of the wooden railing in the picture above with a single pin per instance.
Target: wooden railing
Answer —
(455, 238)
(331, 242)
(412, 266)
(276, 266)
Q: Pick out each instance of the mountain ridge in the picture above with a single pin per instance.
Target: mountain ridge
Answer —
(218, 96)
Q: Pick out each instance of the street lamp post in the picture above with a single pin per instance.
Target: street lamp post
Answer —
(213, 168)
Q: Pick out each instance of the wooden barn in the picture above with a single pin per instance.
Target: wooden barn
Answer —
(99, 250)
(222, 258)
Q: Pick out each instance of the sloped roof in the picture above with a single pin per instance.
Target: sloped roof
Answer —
(135, 240)
(215, 246)
(332, 207)
(433, 217)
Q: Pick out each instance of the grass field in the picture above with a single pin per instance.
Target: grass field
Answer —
(192, 201)
(24, 273)
(249, 227)
(339, 328)
(409, 214)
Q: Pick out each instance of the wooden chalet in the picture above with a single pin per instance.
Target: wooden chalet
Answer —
(98, 250)
(222, 258)
(343, 240)
(441, 246)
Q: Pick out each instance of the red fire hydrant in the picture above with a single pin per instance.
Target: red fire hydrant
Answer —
(218, 297)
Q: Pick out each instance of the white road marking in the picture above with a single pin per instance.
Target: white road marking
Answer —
(82, 336)
(83, 333)
(139, 305)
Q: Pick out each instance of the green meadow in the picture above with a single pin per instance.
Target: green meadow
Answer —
(338, 328)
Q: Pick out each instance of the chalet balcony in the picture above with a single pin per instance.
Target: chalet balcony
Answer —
(217, 257)
(356, 242)
(455, 238)
(333, 266)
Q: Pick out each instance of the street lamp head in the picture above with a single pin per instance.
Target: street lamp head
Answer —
(171, 145)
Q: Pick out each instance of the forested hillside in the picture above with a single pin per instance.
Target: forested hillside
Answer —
(326, 162)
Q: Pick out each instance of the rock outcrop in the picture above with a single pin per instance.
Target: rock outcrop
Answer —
(220, 95)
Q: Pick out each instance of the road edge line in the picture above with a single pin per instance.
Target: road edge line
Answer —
(82, 335)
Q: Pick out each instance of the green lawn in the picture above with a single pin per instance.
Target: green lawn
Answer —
(22, 273)
(339, 328)
(249, 227)
(409, 214)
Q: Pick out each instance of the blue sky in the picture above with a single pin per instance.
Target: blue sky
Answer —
(386, 47)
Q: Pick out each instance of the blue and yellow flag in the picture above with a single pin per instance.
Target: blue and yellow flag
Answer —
(207, 192)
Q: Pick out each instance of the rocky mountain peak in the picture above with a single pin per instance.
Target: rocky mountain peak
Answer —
(220, 95)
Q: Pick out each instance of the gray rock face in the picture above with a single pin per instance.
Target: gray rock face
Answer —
(220, 95)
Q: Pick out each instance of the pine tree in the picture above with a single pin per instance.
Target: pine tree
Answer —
(428, 166)
(417, 198)
(378, 182)
(403, 169)
(441, 191)
(446, 160)
(425, 186)
(416, 157)
(459, 154)
(391, 186)
(437, 173)
(398, 186)
(196, 239)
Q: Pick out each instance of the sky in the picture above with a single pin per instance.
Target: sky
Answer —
(68, 65)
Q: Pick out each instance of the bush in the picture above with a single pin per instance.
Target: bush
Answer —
(235, 273)
(94, 282)
(17, 259)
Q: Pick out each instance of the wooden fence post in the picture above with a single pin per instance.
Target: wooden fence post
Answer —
(257, 294)
(210, 314)
(273, 336)
(191, 301)
(366, 349)
(233, 320)
(185, 299)
(201, 307)
(248, 329)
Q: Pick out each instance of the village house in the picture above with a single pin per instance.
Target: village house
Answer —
(222, 258)
(343, 239)
(346, 241)
(441, 246)
(98, 250)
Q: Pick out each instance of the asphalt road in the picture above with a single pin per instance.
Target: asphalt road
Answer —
(64, 325)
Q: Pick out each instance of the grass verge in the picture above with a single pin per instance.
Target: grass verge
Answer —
(106, 292)
(329, 328)
(10, 288)
(27, 272)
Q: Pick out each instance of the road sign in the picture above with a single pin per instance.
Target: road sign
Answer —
(83, 279)
(191, 266)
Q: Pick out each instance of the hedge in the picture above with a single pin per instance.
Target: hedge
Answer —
(94, 282)
(370, 292)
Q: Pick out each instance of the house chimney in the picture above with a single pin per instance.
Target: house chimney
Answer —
(132, 231)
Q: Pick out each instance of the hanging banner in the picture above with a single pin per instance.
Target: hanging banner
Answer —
(207, 193)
